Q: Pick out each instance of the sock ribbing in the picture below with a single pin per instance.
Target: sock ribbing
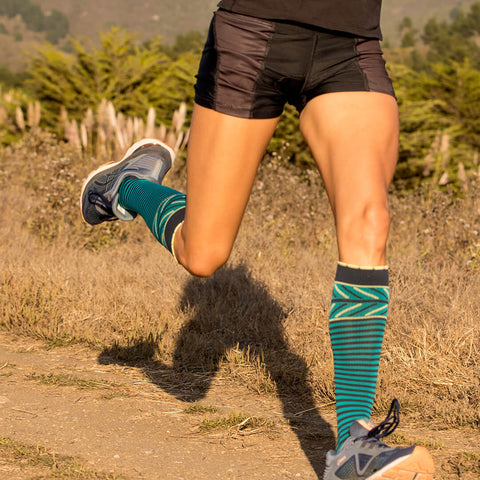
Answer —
(170, 213)
(162, 208)
(358, 316)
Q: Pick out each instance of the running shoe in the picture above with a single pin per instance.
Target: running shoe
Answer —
(148, 159)
(364, 457)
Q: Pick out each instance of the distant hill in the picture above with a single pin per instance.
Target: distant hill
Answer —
(147, 17)
(169, 18)
(393, 11)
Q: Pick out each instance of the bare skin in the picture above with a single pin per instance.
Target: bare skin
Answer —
(353, 137)
(222, 160)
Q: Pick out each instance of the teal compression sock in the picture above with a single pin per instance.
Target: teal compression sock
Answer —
(162, 208)
(358, 317)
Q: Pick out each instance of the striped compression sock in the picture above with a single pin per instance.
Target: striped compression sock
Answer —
(162, 208)
(358, 316)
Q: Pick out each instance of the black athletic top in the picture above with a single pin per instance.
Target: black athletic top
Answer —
(358, 17)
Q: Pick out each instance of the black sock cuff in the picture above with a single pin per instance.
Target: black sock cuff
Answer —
(362, 276)
(173, 222)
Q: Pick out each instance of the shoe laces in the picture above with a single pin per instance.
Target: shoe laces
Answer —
(388, 425)
(97, 200)
(101, 205)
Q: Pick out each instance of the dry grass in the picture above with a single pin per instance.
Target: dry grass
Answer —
(237, 422)
(39, 462)
(261, 320)
(197, 409)
(66, 380)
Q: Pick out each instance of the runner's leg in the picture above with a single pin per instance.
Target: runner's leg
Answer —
(354, 140)
(354, 137)
(223, 156)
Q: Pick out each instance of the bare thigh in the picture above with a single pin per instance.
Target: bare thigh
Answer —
(354, 140)
(223, 157)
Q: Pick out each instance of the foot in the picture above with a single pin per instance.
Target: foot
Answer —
(148, 159)
(364, 457)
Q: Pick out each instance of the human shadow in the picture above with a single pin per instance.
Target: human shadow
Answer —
(231, 310)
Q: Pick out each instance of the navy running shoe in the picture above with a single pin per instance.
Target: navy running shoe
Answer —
(364, 457)
(148, 159)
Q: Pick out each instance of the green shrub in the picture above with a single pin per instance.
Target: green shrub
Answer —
(134, 78)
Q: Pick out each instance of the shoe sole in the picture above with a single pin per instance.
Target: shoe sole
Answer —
(417, 466)
(113, 165)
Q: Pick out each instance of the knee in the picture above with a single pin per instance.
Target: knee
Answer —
(376, 220)
(203, 262)
(365, 231)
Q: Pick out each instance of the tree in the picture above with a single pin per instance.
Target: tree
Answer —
(56, 26)
(134, 78)
(189, 42)
(34, 18)
(407, 32)
(443, 101)
(13, 7)
(455, 40)
(408, 39)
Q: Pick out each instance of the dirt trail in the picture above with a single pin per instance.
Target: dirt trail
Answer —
(113, 420)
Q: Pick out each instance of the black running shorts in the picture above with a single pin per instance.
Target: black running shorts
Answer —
(251, 67)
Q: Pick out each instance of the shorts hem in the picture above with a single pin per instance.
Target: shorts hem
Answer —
(239, 112)
(374, 90)
(347, 90)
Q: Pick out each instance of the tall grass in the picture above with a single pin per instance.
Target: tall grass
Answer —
(105, 133)
(262, 319)
(102, 133)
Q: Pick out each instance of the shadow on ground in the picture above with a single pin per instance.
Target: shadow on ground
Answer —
(231, 310)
